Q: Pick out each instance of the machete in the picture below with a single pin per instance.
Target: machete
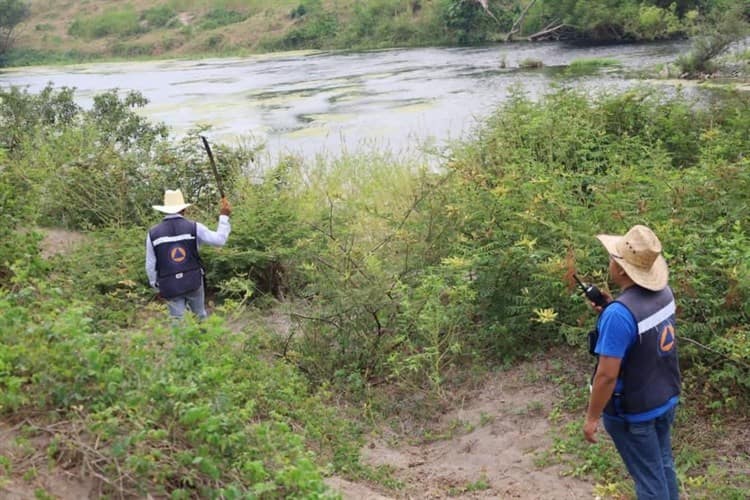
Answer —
(213, 166)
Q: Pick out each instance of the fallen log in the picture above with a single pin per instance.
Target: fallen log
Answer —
(552, 32)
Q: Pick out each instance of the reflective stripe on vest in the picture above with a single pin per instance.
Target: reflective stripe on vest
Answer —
(172, 239)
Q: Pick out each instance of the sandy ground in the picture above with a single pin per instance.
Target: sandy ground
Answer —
(508, 418)
(59, 241)
(27, 453)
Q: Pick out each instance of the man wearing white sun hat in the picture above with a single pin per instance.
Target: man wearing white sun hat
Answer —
(173, 264)
(636, 386)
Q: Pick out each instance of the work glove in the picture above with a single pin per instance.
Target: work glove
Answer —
(226, 208)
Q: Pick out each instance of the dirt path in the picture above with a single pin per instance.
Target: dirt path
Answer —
(59, 241)
(30, 454)
(494, 460)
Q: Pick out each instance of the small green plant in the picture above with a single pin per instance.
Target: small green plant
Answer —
(534, 408)
(6, 465)
(480, 484)
(581, 67)
(486, 419)
(42, 494)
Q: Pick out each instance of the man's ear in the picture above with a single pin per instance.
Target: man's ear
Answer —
(619, 268)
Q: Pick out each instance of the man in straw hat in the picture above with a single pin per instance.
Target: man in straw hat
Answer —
(636, 386)
(173, 264)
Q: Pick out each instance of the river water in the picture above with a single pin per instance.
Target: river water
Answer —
(326, 103)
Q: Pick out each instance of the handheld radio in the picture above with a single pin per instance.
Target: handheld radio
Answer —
(592, 293)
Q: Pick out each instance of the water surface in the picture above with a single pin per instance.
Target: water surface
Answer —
(310, 103)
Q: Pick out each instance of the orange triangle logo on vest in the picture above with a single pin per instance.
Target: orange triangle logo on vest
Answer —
(666, 338)
(178, 254)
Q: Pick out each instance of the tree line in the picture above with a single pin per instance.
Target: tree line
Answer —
(321, 24)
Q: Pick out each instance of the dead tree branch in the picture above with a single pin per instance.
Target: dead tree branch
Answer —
(517, 24)
(486, 7)
(549, 31)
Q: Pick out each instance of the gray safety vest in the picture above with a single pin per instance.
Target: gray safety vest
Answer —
(178, 265)
(649, 372)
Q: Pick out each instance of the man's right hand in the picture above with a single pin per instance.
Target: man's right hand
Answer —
(589, 430)
(226, 208)
(607, 300)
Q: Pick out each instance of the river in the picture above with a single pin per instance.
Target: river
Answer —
(326, 103)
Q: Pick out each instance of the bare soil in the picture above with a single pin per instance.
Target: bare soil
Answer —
(507, 418)
(59, 241)
(30, 456)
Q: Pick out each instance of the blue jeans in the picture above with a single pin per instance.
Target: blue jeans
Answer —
(646, 449)
(195, 301)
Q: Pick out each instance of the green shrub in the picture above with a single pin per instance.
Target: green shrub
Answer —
(615, 21)
(534, 194)
(298, 11)
(382, 24)
(110, 164)
(316, 31)
(216, 18)
(434, 317)
(266, 229)
(24, 113)
(31, 57)
(120, 23)
(726, 26)
(349, 257)
(213, 42)
(654, 23)
(180, 412)
(121, 49)
(158, 17)
(465, 21)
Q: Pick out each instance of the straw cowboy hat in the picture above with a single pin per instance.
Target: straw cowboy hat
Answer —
(173, 202)
(639, 255)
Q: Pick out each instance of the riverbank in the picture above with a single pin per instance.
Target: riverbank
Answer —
(105, 30)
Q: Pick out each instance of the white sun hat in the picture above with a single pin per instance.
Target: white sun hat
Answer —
(173, 202)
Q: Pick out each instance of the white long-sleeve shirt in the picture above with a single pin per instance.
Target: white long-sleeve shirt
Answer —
(205, 236)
